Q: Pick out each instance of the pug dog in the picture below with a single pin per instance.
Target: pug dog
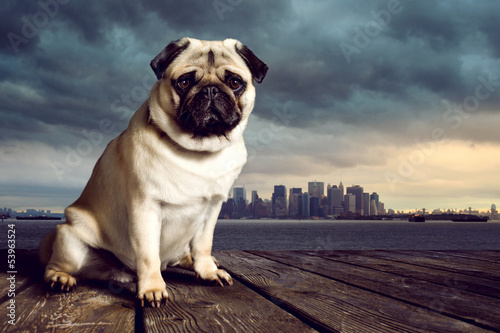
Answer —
(154, 195)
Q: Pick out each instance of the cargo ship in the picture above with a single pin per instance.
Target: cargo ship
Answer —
(469, 218)
(42, 217)
(416, 218)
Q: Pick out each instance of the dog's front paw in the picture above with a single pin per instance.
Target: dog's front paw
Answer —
(61, 282)
(155, 297)
(218, 276)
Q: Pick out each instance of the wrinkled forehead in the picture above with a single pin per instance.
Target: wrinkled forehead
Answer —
(212, 56)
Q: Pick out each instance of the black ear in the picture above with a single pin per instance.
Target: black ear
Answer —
(256, 66)
(160, 63)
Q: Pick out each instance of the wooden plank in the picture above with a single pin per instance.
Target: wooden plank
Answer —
(479, 255)
(491, 255)
(91, 308)
(331, 305)
(469, 307)
(193, 307)
(463, 261)
(448, 279)
(422, 259)
(27, 270)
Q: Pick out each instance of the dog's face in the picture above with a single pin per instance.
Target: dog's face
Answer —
(205, 91)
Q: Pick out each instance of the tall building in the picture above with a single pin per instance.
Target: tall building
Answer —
(259, 209)
(279, 201)
(329, 199)
(375, 196)
(357, 191)
(349, 203)
(366, 204)
(305, 205)
(494, 212)
(239, 192)
(373, 207)
(337, 202)
(295, 202)
(254, 196)
(381, 208)
(240, 200)
(228, 209)
(316, 189)
(314, 204)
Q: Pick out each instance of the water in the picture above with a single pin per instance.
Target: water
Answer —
(316, 235)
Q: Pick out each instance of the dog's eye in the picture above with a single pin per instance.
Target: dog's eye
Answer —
(184, 83)
(234, 84)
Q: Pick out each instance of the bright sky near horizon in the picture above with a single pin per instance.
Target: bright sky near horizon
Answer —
(400, 97)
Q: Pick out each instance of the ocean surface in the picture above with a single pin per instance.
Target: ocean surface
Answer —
(315, 235)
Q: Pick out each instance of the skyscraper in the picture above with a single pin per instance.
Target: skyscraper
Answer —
(381, 208)
(373, 207)
(239, 192)
(240, 200)
(314, 203)
(295, 202)
(374, 196)
(366, 204)
(254, 196)
(305, 205)
(357, 191)
(494, 212)
(337, 200)
(279, 201)
(316, 189)
(350, 203)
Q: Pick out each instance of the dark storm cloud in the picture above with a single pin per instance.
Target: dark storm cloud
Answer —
(423, 47)
(69, 69)
(88, 55)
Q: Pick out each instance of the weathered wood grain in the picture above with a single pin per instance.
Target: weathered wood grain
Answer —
(445, 278)
(28, 271)
(468, 306)
(193, 307)
(93, 307)
(332, 305)
(481, 255)
(284, 291)
(456, 265)
(88, 309)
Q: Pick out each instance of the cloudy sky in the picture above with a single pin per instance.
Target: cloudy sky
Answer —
(400, 97)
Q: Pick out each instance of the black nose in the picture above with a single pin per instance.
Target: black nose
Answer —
(210, 92)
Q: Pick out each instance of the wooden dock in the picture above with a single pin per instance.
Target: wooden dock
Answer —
(278, 291)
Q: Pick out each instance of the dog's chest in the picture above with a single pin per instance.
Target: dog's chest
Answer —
(177, 180)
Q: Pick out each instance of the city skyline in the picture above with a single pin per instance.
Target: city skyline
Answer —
(353, 203)
(267, 194)
(404, 99)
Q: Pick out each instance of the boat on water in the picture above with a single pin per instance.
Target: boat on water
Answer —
(416, 218)
(42, 217)
(470, 218)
